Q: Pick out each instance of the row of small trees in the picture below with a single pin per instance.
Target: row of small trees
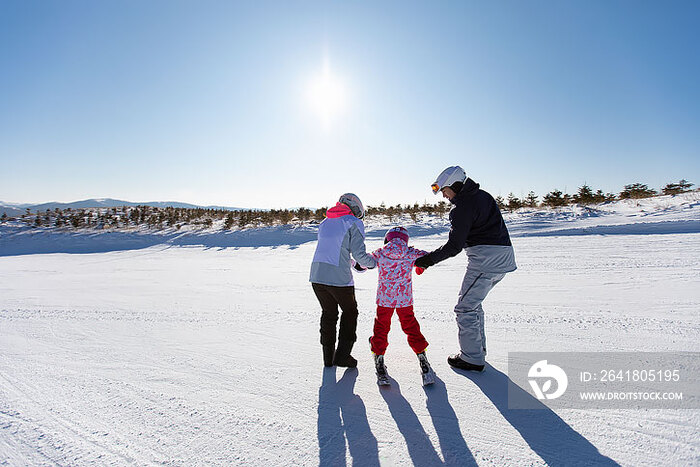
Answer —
(125, 216)
(170, 217)
(586, 196)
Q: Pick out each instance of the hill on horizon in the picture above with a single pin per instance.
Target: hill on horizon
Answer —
(15, 209)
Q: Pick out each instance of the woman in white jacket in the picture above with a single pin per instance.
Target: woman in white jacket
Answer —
(340, 236)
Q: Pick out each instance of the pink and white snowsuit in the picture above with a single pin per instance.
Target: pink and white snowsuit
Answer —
(395, 263)
(395, 291)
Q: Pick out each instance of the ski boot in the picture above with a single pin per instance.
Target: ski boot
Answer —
(427, 372)
(456, 361)
(380, 368)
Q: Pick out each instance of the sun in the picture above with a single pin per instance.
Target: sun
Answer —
(327, 96)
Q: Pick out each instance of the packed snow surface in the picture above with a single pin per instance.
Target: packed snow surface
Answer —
(201, 348)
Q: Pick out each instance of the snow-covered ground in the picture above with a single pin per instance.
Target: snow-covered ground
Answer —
(201, 348)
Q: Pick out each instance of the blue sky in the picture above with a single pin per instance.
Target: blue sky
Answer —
(213, 102)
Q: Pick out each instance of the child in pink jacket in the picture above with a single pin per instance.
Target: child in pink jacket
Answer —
(395, 261)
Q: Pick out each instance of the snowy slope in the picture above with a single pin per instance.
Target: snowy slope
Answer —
(187, 352)
(659, 215)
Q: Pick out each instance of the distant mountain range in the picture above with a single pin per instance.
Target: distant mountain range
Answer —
(13, 209)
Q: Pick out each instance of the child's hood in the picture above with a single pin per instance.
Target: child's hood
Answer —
(395, 249)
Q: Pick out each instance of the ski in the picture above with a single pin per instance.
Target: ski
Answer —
(428, 378)
(383, 380)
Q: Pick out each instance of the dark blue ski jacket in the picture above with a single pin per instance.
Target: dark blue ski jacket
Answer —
(476, 220)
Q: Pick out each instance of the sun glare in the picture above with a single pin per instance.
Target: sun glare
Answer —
(327, 96)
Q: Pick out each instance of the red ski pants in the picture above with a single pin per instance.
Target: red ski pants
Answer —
(409, 324)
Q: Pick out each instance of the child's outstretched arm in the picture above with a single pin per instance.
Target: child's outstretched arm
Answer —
(415, 253)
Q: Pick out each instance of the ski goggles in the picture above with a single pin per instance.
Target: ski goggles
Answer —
(435, 187)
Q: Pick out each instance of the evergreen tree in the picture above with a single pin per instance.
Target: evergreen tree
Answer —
(499, 201)
(229, 221)
(443, 208)
(599, 197)
(555, 199)
(682, 186)
(513, 202)
(636, 191)
(75, 220)
(285, 216)
(303, 215)
(320, 214)
(584, 196)
(531, 200)
(413, 212)
(243, 219)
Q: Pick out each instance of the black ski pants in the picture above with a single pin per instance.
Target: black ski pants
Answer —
(330, 297)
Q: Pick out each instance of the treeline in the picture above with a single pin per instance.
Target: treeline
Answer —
(586, 196)
(159, 218)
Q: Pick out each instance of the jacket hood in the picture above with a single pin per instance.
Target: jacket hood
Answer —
(470, 188)
(339, 210)
(395, 249)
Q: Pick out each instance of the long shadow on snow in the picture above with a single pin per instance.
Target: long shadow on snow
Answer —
(420, 448)
(452, 444)
(341, 415)
(543, 430)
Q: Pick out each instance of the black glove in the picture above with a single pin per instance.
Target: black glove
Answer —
(424, 262)
(357, 266)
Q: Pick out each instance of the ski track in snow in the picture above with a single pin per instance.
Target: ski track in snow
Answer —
(206, 355)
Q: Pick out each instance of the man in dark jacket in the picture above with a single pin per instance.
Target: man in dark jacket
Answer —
(478, 228)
